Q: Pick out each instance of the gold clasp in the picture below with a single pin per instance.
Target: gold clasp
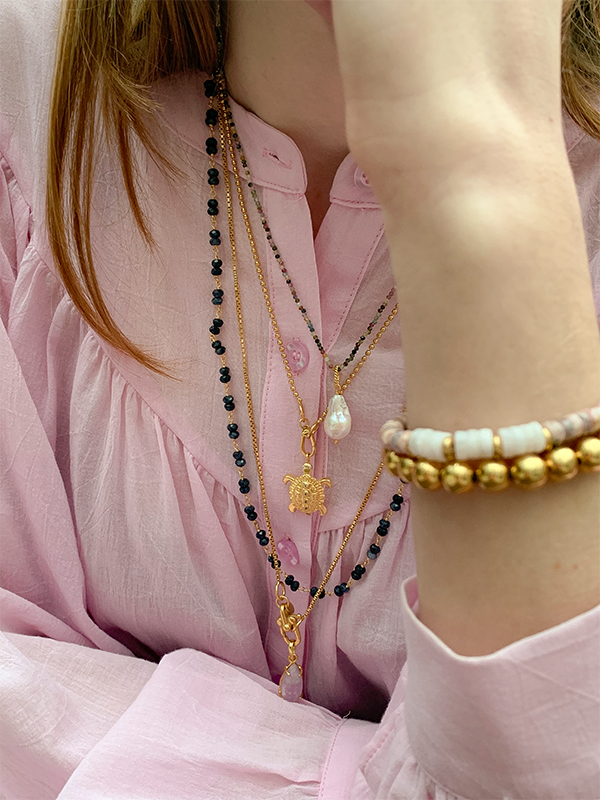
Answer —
(307, 433)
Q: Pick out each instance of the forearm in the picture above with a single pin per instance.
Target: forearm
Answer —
(499, 328)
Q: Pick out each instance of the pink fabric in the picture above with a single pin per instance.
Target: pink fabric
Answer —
(140, 651)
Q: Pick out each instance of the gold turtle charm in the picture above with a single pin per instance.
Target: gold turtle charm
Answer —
(306, 492)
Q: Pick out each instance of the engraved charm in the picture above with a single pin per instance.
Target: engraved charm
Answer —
(306, 492)
(338, 421)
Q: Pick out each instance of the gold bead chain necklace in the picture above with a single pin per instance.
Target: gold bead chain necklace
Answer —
(306, 492)
(289, 622)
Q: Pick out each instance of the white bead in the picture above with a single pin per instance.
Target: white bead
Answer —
(595, 412)
(520, 439)
(338, 421)
(474, 443)
(428, 443)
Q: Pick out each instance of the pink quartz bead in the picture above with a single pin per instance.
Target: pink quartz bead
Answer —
(288, 552)
(290, 684)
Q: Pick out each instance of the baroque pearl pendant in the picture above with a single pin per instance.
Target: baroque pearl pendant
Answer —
(338, 421)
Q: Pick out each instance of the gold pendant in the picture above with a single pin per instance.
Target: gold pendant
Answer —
(290, 683)
(306, 491)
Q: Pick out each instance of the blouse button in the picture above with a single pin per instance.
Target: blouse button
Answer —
(298, 356)
(288, 552)
(361, 179)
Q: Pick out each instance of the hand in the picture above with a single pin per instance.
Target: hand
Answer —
(426, 81)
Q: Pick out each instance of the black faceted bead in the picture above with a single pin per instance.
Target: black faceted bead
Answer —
(382, 531)
(344, 587)
(210, 88)
(240, 462)
(216, 262)
(225, 378)
(214, 231)
(214, 242)
(219, 350)
(264, 541)
(397, 498)
(215, 344)
(214, 330)
(229, 406)
(211, 142)
(295, 586)
(218, 292)
(244, 482)
(356, 575)
(212, 203)
(314, 590)
(217, 301)
(289, 580)
(395, 506)
(234, 434)
(229, 399)
(224, 370)
(338, 591)
(232, 426)
(213, 173)
(237, 454)
(213, 212)
(375, 549)
(361, 569)
(211, 150)
(244, 489)
(384, 523)
(261, 534)
(213, 181)
(252, 516)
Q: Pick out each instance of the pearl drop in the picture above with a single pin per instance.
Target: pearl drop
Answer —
(338, 421)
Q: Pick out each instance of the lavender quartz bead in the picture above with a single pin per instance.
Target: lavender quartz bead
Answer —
(290, 684)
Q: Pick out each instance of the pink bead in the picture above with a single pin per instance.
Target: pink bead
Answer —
(290, 684)
(288, 552)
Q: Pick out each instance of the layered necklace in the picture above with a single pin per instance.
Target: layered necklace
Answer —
(306, 492)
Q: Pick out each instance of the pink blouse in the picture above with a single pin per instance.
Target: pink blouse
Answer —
(140, 651)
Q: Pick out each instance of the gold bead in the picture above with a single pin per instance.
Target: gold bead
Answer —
(407, 469)
(392, 462)
(448, 445)
(492, 476)
(529, 471)
(497, 447)
(588, 454)
(426, 475)
(548, 437)
(562, 464)
(457, 478)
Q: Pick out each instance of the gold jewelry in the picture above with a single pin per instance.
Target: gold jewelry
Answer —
(288, 621)
(306, 492)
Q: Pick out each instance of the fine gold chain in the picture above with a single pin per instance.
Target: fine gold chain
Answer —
(280, 594)
(308, 430)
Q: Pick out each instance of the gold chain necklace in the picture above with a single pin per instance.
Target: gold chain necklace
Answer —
(306, 492)
(290, 684)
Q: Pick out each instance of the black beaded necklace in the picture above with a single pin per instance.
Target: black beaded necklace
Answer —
(218, 294)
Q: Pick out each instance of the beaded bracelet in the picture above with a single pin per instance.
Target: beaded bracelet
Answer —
(535, 452)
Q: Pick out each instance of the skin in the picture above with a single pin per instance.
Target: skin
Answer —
(277, 56)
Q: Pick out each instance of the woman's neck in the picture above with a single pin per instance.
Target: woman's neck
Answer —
(281, 64)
